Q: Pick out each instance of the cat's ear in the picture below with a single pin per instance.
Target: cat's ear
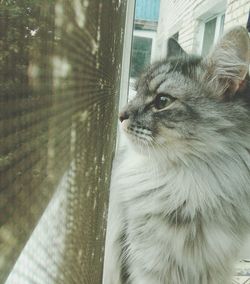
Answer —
(228, 63)
(174, 49)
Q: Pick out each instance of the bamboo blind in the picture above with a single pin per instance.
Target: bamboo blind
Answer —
(60, 63)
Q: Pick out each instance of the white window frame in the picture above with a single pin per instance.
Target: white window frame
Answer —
(216, 33)
(127, 49)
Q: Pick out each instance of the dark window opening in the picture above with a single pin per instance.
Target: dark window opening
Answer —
(141, 54)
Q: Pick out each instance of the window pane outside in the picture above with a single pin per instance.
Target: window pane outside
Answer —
(209, 33)
(141, 55)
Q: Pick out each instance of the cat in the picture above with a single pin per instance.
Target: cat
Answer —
(180, 198)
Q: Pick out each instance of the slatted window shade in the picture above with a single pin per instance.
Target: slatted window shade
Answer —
(60, 63)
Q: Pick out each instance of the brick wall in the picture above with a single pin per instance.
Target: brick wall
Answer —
(237, 13)
(188, 16)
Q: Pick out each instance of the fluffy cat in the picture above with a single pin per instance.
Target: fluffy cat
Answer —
(180, 199)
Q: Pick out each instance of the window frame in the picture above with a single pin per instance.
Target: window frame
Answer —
(217, 32)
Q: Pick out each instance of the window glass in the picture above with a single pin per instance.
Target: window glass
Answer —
(140, 55)
(209, 33)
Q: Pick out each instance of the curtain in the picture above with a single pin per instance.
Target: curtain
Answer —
(60, 65)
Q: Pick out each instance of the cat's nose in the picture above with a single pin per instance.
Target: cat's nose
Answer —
(123, 116)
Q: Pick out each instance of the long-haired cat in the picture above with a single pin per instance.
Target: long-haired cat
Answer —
(180, 200)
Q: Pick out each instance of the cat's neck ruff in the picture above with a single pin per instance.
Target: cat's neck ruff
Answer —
(200, 184)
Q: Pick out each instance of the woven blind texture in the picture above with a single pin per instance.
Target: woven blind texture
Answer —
(60, 64)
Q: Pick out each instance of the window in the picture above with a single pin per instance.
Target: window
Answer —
(209, 33)
(213, 29)
(141, 55)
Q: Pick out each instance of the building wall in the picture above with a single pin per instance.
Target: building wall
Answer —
(187, 17)
(237, 13)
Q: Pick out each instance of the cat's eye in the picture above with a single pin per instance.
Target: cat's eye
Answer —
(162, 101)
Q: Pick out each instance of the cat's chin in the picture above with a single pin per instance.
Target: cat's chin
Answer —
(138, 145)
(143, 147)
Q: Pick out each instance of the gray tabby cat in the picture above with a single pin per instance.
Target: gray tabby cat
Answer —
(180, 201)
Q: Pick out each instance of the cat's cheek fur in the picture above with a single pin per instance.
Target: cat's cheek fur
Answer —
(167, 136)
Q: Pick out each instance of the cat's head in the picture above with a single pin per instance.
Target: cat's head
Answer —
(187, 103)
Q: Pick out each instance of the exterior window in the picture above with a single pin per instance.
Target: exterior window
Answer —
(213, 29)
(209, 33)
(141, 55)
